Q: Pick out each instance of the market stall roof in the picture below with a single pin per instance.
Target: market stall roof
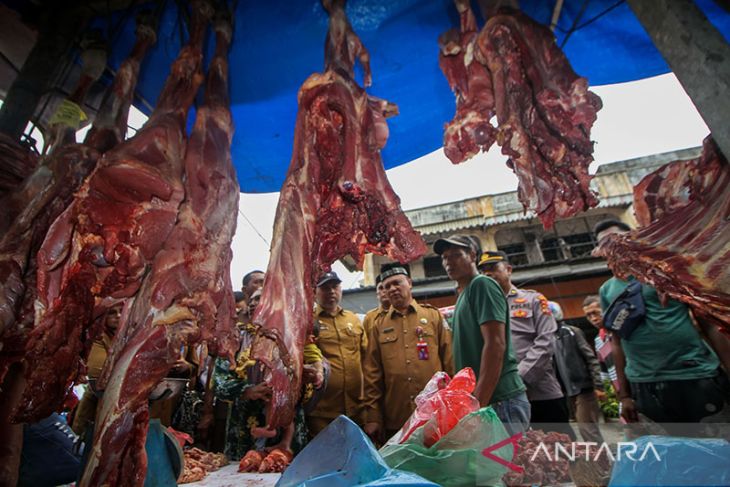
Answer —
(278, 43)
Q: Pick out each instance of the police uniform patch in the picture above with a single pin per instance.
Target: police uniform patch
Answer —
(519, 313)
(520, 300)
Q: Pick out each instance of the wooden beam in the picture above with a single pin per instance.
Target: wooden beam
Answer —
(697, 54)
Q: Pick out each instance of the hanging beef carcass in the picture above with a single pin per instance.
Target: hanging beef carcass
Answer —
(513, 70)
(49, 191)
(98, 250)
(40, 199)
(186, 297)
(335, 201)
(682, 247)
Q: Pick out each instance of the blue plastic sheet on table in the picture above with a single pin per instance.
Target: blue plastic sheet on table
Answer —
(342, 455)
(278, 43)
(671, 461)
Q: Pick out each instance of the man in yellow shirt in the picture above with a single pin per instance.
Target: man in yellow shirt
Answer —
(343, 343)
(409, 344)
(376, 313)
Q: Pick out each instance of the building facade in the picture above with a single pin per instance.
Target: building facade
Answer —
(556, 262)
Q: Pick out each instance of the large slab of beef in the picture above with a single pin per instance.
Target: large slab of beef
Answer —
(335, 201)
(97, 252)
(513, 70)
(682, 247)
(47, 192)
(186, 298)
(32, 207)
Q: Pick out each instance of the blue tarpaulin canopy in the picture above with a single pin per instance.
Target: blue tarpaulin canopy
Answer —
(278, 43)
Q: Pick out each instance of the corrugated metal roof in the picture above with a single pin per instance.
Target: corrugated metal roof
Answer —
(452, 225)
(609, 202)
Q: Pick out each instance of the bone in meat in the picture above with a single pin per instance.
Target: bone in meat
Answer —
(683, 245)
(99, 249)
(336, 200)
(184, 299)
(514, 70)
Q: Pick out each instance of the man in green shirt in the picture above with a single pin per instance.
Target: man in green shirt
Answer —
(481, 333)
(665, 370)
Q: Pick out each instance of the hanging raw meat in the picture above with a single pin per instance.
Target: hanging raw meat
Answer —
(513, 70)
(97, 252)
(48, 192)
(335, 201)
(39, 200)
(682, 247)
(186, 297)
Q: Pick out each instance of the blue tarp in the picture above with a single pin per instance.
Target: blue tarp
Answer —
(341, 455)
(278, 43)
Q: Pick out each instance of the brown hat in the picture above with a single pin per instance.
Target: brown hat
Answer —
(465, 241)
(492, 257)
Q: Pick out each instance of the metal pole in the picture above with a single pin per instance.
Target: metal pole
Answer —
(698, 56)
(47, 57)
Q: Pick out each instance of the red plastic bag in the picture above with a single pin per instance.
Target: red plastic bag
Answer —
(440, 406)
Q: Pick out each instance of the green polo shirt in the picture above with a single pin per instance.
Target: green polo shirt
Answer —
(482, 301)
(666, 346)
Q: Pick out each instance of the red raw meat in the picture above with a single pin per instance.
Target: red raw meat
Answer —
(541, 470)
(336, 200)
(683, 245)
(47, 193)
(98, 250)
(251, 461)
(514, 70)
(276, 461)
(185, 298)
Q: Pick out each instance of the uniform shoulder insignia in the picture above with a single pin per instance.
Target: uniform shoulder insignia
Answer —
(427, 305)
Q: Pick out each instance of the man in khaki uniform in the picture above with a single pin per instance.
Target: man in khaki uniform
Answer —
(343, 342)
(409, 344)
(383, 304)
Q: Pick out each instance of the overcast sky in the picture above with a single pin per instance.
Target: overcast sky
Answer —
(639, 118)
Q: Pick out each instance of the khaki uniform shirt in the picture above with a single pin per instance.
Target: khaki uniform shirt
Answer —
(533, 329)
(371, 317)
(394, 375)
(343, 343)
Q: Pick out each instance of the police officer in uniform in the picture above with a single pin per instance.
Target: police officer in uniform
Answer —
(533, 337)
(343, 342)
(409, 344)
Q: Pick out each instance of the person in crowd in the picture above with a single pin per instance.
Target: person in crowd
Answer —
(409, 344)
(251, 281)
(533, 328)
(580, 374)
(602, 341)
(246, 428)
(241, 307)
(343, 342)
(376, 313)
(481, 327)
(664, 368)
